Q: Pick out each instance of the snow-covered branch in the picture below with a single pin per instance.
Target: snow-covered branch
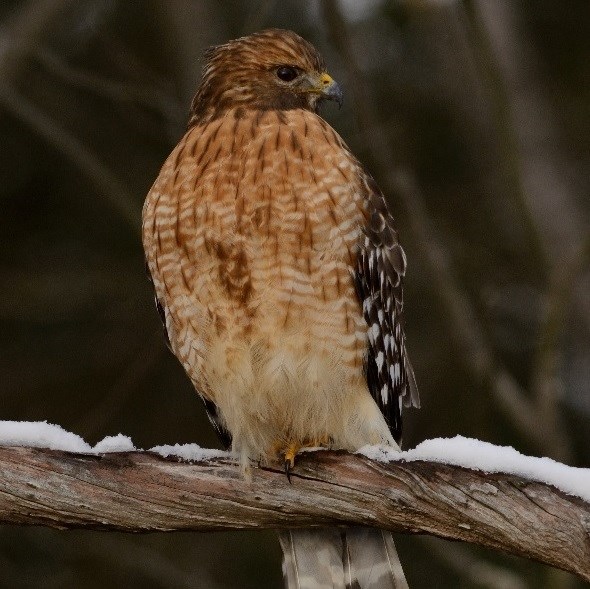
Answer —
(143, 491)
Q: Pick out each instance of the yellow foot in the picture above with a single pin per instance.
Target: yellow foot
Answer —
(290, 451)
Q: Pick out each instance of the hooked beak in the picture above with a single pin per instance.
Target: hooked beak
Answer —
(329, 89)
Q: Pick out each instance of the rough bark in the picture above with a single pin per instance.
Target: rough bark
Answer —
(143, 492)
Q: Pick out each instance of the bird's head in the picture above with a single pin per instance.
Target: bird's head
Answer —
(272, 69)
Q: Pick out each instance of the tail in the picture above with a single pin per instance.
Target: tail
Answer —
(341, 558)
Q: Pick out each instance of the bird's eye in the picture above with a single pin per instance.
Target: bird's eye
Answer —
(286, 73)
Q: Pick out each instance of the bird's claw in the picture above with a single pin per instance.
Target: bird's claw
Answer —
(289, 455)
(288, 467)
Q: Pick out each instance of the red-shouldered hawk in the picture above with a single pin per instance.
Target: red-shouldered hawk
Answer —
(278, 273)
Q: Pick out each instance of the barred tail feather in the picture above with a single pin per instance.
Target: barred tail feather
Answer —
(341, 558)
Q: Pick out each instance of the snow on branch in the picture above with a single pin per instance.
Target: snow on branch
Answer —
(137, 491)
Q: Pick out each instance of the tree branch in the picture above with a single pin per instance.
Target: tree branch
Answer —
(142, 492)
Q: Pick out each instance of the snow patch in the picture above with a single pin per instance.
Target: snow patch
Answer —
(189, 452)
(40, 434)
(118, 443)
(486, 457)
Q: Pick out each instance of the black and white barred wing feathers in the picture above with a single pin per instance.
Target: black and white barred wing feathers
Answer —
(379, 273)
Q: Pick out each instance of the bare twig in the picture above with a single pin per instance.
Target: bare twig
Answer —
(76, 151)
(149, 564)
(257, 16)
(149, 96)
(133, 374)
(480, 572)
(141, 492)
(23, 29)
(508, 139)
(559, 298)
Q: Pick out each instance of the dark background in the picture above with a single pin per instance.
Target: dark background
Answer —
(474, 117)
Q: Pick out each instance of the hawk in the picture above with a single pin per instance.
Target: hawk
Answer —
(278, 275)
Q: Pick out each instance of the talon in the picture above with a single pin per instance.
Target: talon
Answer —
(288, 467)
(289, 455)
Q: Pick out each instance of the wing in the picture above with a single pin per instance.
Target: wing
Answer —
(380, 268)
(210, 407)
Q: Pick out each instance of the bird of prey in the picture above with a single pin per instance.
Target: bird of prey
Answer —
(278, 275)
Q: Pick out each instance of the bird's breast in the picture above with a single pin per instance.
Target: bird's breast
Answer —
(258, 227)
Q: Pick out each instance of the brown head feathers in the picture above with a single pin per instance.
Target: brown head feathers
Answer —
(271, 69)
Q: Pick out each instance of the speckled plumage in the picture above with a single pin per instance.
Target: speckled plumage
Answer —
(275, 261)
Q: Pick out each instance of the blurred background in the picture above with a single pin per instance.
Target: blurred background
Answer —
(473, 116)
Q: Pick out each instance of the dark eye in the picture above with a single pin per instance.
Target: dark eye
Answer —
(286, 73)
